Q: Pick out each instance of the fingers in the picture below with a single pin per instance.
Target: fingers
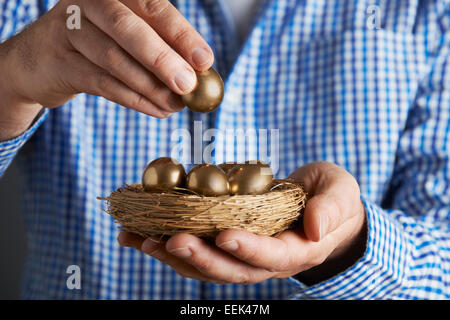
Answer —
(264, 252)
(128, 239)
(142, 43)
(181, 35)
(255, 259)
(156, 248)
(213, 262)
(274, 254)
(89, 78)
(158, 251)
(100, 49)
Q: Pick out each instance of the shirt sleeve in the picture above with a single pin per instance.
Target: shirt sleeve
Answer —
(9, 149)
(408, 245)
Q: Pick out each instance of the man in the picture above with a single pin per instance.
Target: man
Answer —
(359, 91)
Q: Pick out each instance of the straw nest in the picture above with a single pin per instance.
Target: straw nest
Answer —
(166, 214)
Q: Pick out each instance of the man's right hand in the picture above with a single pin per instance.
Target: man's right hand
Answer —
(138, 53)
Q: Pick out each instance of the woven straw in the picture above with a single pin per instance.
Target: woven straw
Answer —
(166, 214)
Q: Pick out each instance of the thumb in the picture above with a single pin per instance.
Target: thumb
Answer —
(321, 216)
(334, 194)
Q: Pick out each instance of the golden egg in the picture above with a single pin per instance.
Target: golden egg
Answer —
(163, 174)
(208, 180)
(250, 179)
(208, 94)
(256, 162)
(227, 166)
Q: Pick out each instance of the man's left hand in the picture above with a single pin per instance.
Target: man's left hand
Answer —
(333, 230)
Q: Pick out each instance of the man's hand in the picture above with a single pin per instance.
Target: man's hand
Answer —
(139, 54)
(331, 240)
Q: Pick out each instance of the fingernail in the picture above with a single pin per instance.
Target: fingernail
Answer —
(181, 252)
(323, 225)
(154, 240)
(185, 80)
(201, 56)
(229, 245)
(149, 245)
(125, 244)
(175, 102)
(165, 115)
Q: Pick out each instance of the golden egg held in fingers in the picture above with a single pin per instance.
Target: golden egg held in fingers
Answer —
(208, 180)
(208, 94)
(163, 174)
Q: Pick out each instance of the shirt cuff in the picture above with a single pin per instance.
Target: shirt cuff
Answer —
(9, 148)
(380, 271)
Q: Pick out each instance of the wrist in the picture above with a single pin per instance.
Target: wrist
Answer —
(16, 112)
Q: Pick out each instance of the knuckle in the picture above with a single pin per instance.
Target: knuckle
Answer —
(154, 8)
(120, 20)
(243, 278)
(318, 260)
(89, 82)
(181, 34)
(249, 254)
(284, 262)
(103, 82)
(339, 213)
(112, 56)
(283, 265)
(161, 59)
(137, 102)
(151, 88)
(203, 265)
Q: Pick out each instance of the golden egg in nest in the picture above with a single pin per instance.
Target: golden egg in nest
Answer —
(256, 162)
(208, 180)
(208, 94)
(227, 166)
(163, 174)
(250, 179)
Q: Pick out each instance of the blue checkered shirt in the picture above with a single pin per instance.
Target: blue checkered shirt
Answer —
(367, 88)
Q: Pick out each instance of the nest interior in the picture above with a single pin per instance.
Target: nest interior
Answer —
(169, 213)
